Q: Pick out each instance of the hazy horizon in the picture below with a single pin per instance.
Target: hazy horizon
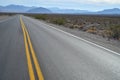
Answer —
(91, 5)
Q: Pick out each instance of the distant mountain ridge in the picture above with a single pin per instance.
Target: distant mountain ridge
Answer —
(110, 11)
(26, 9)
(39, 10)
(15, 8)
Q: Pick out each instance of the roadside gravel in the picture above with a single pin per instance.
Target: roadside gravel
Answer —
(112, 44)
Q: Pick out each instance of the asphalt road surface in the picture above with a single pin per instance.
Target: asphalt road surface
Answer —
(61, 56)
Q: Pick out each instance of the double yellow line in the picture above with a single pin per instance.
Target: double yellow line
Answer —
(30, 53)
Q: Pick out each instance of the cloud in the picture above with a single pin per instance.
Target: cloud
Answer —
(67, 2)
(105, 1)
(80, 1)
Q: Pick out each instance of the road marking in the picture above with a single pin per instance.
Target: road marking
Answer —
(37, 66)
(85, 40)
(30, 68)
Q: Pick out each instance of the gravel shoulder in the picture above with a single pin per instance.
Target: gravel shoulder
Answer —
(112, 44)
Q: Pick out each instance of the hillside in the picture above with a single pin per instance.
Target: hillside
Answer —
(14, 8)
(110, 11)
(39, 10)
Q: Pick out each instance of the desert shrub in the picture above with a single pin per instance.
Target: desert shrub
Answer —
(59, 21)
(71, 27)
(42, 17)
(76, 26)
(80, 27)
(116, 31)
(92, 30)
(108, 34)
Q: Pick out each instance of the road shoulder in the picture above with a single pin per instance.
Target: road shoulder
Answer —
(99, 40)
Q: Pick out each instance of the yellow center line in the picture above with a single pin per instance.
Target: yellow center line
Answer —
(37, 66)
(30, 68)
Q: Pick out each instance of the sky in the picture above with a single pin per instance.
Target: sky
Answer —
(91, 5)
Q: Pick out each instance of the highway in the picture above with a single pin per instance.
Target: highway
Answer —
(33, 50)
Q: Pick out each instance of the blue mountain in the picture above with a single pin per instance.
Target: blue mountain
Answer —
(39, 10)
(26, 9)
(110, 11)
(14, 8)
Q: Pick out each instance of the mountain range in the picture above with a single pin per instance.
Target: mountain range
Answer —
(26, 9)
(39, 10)
(15, 8)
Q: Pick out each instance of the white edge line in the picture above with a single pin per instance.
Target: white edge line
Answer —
(85, 40)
